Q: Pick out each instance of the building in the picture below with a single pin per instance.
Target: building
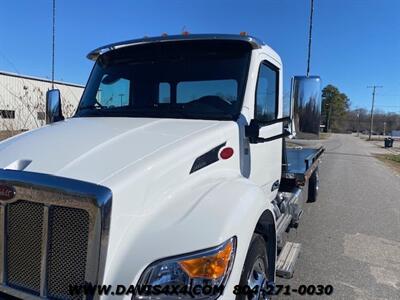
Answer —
(395, 133)
(23, 100)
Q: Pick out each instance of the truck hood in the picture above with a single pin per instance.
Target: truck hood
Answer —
(92, 149)
(147, 165)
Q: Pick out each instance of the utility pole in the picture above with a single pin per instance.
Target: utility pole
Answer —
(310, 38)
(384, 129)
(371, 125)
(328, 124)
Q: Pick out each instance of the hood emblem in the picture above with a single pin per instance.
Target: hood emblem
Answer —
(6, 192)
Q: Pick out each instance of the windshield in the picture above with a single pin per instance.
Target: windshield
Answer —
(196, 79)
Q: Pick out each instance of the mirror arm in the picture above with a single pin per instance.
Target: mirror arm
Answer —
(252, 130)
(259, 140)
(266, 123)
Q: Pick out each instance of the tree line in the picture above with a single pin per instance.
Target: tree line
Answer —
(337, 115)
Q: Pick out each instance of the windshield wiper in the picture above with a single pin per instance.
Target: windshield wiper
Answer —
(95, 105)
(88, 107)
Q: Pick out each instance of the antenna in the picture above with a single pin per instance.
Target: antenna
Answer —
(53, 44)
(310, 38)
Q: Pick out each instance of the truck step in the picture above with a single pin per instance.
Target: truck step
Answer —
(282, 224)
(287, 260)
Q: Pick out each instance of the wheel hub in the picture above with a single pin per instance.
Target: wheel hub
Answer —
(257, 280)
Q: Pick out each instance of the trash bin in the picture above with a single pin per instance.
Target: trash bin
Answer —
(388, 142)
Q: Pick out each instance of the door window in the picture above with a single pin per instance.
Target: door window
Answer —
(267, 93)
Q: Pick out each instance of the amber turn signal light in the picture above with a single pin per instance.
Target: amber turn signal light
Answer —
(209, 267)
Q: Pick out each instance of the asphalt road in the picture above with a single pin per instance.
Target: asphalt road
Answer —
(351, 236)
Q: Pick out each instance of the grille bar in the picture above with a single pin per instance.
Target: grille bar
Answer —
(45, 247)
(2, 242)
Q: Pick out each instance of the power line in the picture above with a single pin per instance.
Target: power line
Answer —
(387, 105)
(374, 87)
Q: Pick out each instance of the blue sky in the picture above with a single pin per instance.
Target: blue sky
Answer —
(355, 42)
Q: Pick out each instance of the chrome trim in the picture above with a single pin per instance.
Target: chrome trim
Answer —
(53, 190)
(18, 293)
(254, 42)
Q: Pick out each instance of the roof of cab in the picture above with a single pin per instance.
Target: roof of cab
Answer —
(254, 42)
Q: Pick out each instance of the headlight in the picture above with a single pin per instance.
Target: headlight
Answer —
(200, 275)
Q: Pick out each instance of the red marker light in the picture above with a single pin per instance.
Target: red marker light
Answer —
(226, 153)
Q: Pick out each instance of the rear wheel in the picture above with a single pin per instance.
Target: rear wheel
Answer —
(313, 186)
(255, 270)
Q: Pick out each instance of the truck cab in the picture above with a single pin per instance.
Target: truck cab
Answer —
(173, 175)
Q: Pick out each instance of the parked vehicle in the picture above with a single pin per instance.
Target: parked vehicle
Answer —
(173, 171)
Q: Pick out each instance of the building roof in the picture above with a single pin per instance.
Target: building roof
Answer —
(40, 79)
(254, 42)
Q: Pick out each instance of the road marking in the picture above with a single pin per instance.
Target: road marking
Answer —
(361, 294)
(385, 276)
(382, 256)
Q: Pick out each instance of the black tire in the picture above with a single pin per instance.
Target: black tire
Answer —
(256, 260)
(313, 187)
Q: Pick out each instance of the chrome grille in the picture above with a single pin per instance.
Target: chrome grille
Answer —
(69, 228)
(46, 249)
(53, 233)
(23, 256)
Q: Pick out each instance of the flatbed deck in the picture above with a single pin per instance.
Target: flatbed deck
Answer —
(297, 157)
(301, 163)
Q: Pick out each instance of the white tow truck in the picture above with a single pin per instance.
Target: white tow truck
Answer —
(174, 172)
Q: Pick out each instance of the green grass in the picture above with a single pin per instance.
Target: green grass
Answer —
(392, 160)
(392, 157)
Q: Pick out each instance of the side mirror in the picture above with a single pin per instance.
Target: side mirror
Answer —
(305, 107)
(53, 107)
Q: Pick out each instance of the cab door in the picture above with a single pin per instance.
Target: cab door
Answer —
(266, 156)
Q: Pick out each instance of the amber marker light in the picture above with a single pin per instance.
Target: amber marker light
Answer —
(210, 267)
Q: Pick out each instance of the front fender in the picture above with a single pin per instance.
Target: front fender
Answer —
(225, 208)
